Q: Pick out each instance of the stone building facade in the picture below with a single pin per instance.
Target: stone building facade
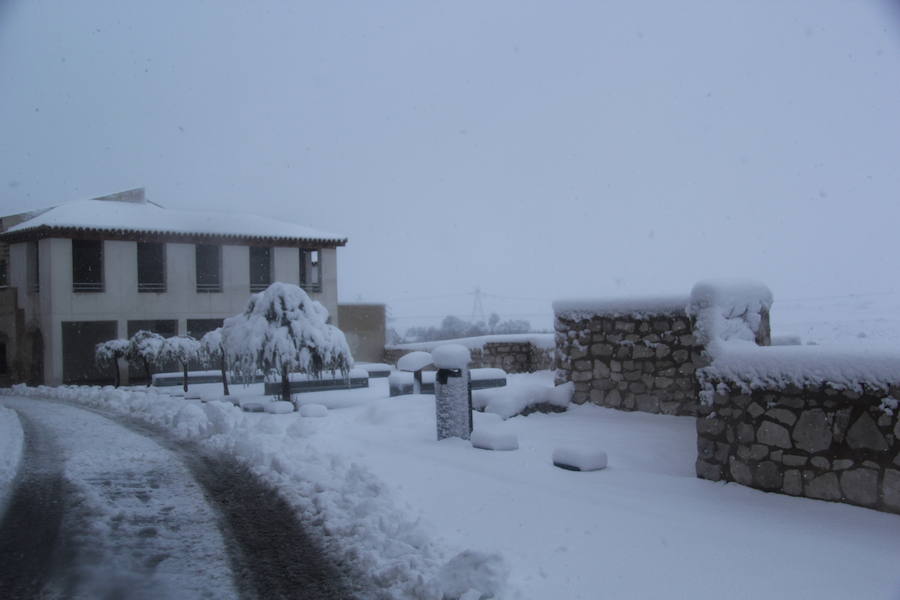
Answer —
(812, 441)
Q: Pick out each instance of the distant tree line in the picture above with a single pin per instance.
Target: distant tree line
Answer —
(453, 327)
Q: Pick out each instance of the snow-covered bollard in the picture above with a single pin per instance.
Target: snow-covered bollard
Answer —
(452, 398)
(579, 459)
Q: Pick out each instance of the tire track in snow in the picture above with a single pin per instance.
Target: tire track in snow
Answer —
(30, 529)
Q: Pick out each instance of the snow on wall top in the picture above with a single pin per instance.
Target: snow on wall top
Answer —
(146, 217)
(728, 310)
(635, 306)
(775, 367)
(546, 341)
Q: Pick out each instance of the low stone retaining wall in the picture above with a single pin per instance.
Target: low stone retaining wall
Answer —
(811, 441)
(496, 352)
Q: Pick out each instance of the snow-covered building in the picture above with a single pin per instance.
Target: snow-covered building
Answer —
(88, 271)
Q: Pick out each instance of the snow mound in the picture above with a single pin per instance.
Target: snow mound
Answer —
(313, 410)
(12, 441)
(521, 398)
(451, 356)
(414, 361)
(637, 307)
(473, 574)
(490, 439)
(252, 406)
(728, 310)
(579, 458)
(279, 408)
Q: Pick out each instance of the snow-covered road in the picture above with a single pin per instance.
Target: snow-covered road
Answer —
(103, 510)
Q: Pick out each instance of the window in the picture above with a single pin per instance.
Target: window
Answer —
(4, 264)
(260, 268)
(33, 259)
(209, 268)
(87, 265)
(151, 265)
(197, 328)
(310, 270)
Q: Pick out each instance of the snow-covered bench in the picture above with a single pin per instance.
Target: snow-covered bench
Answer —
(401, 383)
(330, 380)
(177, 377)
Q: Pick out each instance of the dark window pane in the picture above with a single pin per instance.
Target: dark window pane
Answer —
(87, 265)
(78, 341)
(197, 328)
(151, 267)
(260, 268)
(209, 268)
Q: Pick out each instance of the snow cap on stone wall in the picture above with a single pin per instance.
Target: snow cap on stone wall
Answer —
(625, 306)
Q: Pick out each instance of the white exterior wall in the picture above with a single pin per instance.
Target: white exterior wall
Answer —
(120, 300)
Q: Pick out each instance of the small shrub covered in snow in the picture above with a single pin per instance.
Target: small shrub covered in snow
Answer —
(182, 349)
(729, 311)
(213, 353)
(284, 330)
(107, 355)
(144, 349)
(579, 459)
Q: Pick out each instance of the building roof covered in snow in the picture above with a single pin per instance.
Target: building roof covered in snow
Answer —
(130, 216)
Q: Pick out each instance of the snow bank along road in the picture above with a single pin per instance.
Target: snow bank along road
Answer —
(111, 510)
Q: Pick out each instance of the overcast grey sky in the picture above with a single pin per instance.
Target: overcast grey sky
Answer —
(537, 149)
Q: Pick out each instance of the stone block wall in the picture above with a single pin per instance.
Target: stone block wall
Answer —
(643, 362)
(817, 442)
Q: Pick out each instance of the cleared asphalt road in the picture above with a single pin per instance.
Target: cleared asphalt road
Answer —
(110, 509)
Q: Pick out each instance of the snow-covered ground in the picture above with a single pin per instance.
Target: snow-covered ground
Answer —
(426, 517)
(388, 496)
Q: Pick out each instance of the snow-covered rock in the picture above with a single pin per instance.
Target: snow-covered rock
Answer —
(451, 356)
(279, 408)
(313, 410)
(517, 398)
(578, 458)
(491, 439)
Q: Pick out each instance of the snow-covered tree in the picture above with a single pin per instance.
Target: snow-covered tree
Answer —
(213, 353)
(144, 348)
(283, 330)
(107, 354)
(181, 349)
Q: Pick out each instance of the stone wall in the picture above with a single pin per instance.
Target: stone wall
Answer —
(813, 441)
(636, 362)
(511, 356)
